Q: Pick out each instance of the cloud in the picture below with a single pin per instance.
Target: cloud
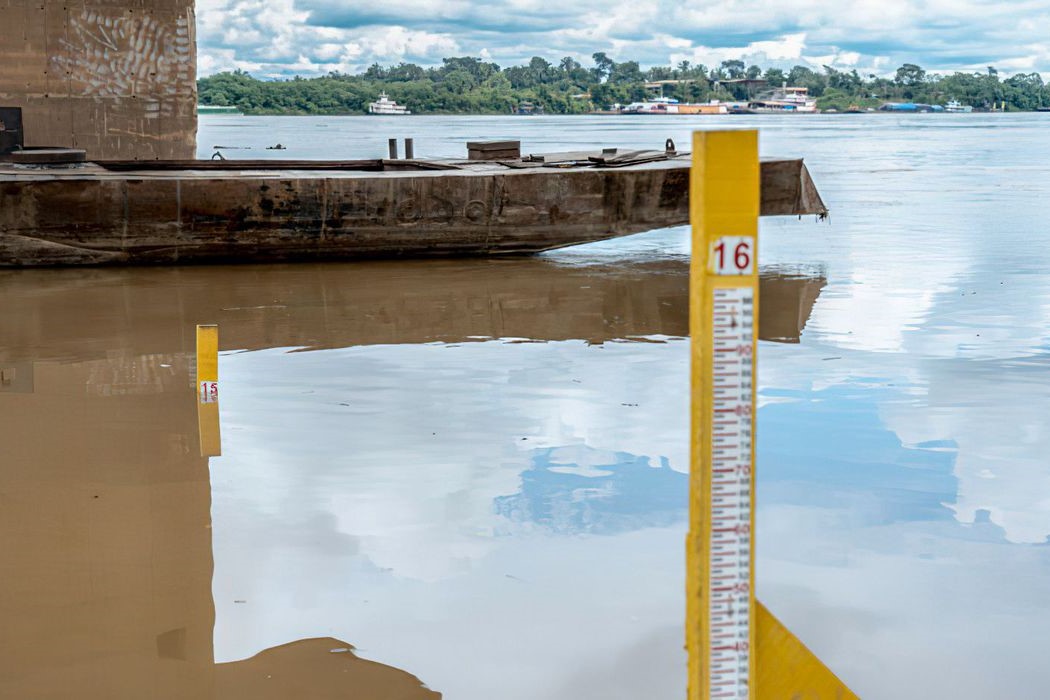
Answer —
(278, 40)
(308, 37)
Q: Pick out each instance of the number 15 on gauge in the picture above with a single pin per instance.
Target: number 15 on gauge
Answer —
(732, 255)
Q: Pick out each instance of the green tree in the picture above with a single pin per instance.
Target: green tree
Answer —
(603, 66)
(471, 85)
(734, 69)
(775, 76)
(910, 75)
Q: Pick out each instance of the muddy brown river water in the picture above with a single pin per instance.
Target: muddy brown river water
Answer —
(469, 478)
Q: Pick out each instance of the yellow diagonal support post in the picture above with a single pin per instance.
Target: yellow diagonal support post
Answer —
(208, 390)
(737, 648)
(788, 669)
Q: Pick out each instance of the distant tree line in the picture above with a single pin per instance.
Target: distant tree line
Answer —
(471, 85)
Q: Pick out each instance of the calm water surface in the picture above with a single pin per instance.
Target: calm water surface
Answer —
(473, 473)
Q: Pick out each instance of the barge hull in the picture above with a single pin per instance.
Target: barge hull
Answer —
(95, 216)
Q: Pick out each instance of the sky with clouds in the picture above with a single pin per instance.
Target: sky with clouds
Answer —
(280, 38)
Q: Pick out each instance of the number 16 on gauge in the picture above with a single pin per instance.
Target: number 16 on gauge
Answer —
(732, 255)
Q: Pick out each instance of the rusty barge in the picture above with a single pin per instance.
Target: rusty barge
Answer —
(177, 212)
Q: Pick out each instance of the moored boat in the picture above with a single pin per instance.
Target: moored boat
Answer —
(657, 105)
(783, 100)
(384, 105)
(955, 107)
(669, 105)
(910, 107)
(173, 212)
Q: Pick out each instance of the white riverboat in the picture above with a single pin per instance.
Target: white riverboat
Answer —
(789, 100)
(385, 105)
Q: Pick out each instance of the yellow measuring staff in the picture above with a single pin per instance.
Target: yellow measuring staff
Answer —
(208, 390)
(737, 648)
(723, 313)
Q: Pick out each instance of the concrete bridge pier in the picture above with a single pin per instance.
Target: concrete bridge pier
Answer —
(116, 78)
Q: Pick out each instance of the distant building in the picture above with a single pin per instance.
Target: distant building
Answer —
(656, 87)
(750, 85)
